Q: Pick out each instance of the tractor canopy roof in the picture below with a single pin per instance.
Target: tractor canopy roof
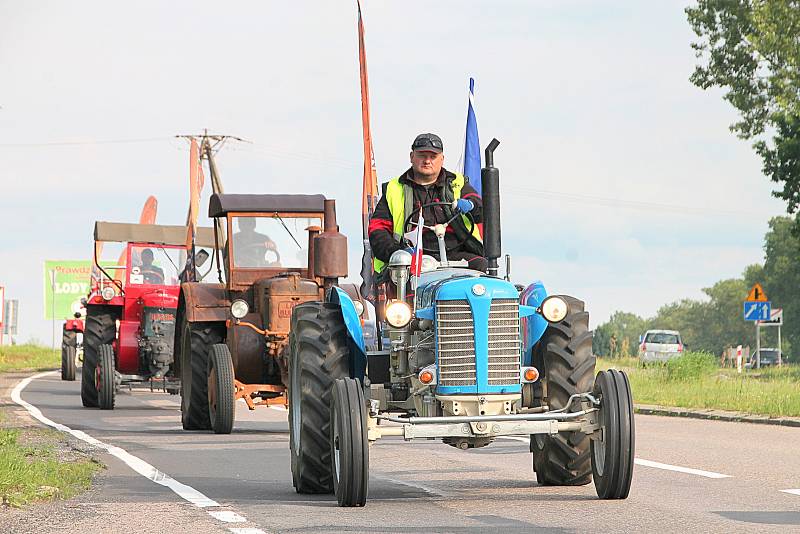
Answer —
(150, 233)
(220, 205)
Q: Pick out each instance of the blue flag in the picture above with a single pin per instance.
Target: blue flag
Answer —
(472, 146)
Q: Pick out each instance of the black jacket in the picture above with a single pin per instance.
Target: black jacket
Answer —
(381, 226)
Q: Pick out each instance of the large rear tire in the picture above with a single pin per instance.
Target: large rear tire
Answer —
(565, 352)
(106, 384)
(221, 390)
(69, 349)
(318, 355)
(196, 342)
(349, 444)
(100, 329)
(612, 453)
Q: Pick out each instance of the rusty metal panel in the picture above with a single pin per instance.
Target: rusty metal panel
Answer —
(247, 350)
(205, 302)
(277, 297)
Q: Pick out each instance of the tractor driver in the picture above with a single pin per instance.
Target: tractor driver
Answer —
(152, 273)
(424, 183)
(249, 246)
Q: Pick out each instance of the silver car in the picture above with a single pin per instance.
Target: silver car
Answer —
(660, 346)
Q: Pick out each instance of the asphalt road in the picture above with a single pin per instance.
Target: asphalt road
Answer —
(431, 487)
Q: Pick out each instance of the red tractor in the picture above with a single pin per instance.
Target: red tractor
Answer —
(130, 314)
(69, 345)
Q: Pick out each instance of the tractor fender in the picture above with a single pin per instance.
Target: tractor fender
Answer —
(205, 302)
(355, 332)
(533, 326)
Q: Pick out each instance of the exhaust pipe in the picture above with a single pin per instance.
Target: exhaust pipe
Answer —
(490, 184)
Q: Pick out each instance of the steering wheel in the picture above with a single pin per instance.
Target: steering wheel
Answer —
(262, 256)
(152, 277)
(409, 225)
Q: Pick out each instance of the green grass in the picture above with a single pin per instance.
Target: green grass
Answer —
(28, 358)
(695, 381)
(30, 473)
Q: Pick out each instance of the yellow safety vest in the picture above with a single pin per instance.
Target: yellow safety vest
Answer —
(395, 198)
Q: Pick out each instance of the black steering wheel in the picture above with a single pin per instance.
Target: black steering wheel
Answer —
(259, 252)
(409, 225)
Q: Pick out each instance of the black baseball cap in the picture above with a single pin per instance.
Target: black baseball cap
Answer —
(428, 142)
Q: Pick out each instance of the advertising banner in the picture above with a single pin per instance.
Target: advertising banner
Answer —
(65, 283)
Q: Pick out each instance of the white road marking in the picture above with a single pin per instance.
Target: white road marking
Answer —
(792, 491)
(228, 516)
(247, 531)
(659, 465)
(279, 408)
(185, 492)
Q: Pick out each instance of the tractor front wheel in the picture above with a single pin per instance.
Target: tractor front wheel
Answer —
(69, 349)
(221, 391)
(196, 341)
(106, 386)
(100, 329)
(349, 444)
(318, 355)
(613, 450)
(565, 355)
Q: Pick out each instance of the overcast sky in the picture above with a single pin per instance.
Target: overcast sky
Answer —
(621, 182)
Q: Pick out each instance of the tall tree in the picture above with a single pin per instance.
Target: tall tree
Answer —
(750, 49)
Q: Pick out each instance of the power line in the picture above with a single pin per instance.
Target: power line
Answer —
(83, 143)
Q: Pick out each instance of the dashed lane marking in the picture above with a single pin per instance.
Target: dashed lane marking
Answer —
(185, 492)
(659, 465)
(792, 491)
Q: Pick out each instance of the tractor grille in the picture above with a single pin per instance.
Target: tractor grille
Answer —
(456, 344)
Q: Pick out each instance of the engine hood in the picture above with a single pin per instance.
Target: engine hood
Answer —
(455, 284)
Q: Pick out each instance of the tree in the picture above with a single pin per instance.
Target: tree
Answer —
(750, 49)
(781, 278)
(625, 327)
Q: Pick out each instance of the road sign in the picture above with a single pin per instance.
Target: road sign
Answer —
(775, 318)
(757, 294)
(757, 311)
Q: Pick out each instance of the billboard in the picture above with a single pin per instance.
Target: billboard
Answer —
(65, 283)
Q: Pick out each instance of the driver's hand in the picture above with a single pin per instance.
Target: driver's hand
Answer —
(463, 205)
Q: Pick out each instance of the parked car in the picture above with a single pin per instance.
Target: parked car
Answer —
(660, 346)
(769, 357)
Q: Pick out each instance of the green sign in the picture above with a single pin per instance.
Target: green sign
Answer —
(65, 283)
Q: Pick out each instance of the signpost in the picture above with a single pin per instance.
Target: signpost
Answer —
(10, 318)
(758, 308)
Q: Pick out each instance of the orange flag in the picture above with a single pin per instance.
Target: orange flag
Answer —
(196, 182)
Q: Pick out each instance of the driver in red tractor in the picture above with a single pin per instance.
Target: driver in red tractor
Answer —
(428, 182)
(153, 274)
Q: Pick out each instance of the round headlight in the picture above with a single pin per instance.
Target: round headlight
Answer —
(398, 314)
(239, 308)
(108, 293)
(359, 307)
(554, 309)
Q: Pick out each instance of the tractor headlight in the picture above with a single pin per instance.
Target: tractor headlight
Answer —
(107, 293)
(359, 307)
(398, 314)
(554, 309)
(239, 308)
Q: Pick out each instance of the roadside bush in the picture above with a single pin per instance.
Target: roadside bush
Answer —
(691, 366)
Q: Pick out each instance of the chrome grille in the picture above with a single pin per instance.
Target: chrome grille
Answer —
(455, 337)
(504, 342)
(456, 343)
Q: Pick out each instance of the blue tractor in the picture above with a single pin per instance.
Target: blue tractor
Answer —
(467, 357)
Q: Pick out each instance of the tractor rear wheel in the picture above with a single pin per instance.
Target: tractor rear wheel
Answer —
(221, 391)
(565, 354)
(349, 444)
(196, 342)
(318, 355)
(106, 384)
(100, 329)
(69, 349)
(612, 453)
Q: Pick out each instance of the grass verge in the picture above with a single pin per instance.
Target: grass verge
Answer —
(695, 381)
(31, 468)
(28, 358)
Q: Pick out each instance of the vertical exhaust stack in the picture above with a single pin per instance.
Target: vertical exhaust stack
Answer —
(490, 183)
(330, 249)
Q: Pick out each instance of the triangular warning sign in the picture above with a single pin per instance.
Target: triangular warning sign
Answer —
(757, 294)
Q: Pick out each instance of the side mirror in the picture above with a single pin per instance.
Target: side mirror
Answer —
(641, 338)
(200, 257)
